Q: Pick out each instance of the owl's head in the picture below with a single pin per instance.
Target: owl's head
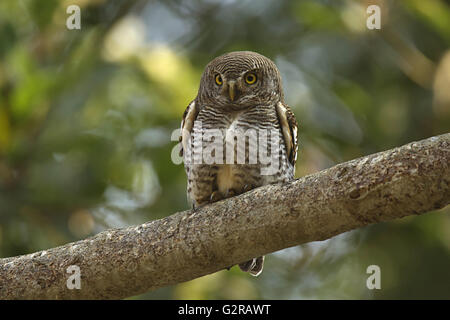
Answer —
(242, 79)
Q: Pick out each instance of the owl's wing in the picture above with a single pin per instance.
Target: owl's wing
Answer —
(288, 125)
(187, 123)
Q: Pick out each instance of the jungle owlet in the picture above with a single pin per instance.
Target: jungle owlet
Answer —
(237, 120)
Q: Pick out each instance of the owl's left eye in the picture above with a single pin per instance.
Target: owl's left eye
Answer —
(219, 80)
(250, 78)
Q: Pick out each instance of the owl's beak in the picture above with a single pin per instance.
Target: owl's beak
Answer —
(231, 90)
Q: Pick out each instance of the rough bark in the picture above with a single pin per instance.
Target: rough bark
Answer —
(118, 263)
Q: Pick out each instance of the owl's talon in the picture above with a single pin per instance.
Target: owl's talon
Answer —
(215, 196)
(230, 193)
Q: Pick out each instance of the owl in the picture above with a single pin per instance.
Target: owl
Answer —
(236, 124)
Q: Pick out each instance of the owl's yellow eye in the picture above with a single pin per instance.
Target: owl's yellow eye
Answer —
(219, 80)
(250, 78)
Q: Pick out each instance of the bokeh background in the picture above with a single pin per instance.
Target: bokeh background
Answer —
(86, 118)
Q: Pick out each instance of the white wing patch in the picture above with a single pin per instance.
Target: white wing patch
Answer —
(188, 123)
(289, 129)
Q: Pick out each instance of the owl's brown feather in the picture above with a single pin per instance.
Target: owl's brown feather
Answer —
(233, 106)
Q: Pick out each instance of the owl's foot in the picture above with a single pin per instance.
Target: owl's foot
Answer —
(215, 196)
(247, 188)
(230, 193)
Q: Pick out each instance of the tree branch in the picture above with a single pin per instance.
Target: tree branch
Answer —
(119, 263)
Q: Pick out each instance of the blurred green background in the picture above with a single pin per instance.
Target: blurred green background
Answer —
(86, 118)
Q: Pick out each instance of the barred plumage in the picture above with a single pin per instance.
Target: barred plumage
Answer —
(240, 99)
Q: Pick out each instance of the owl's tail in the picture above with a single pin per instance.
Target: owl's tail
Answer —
(254, 266)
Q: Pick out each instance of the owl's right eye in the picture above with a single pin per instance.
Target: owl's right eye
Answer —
(219, 80)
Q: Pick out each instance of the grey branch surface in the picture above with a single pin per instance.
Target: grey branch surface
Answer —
(119, 263)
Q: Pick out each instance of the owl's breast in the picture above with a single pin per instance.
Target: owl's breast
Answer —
(238, 137)
(241, 150)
